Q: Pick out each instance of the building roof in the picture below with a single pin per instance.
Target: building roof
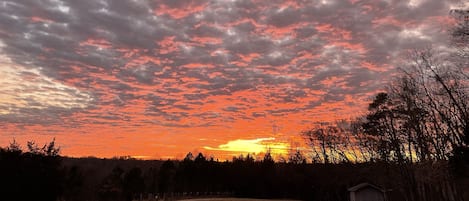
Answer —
(364, 185)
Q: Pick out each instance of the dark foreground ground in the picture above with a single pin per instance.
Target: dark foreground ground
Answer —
(232, 199)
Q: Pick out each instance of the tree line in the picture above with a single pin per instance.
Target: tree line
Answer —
(420, 122)
(41, 174)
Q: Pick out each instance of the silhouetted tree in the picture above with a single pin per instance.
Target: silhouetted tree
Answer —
(111, 187)
(200, 158)
(166, 179)
(30, 175)
(73, 184)
(268, 159)
(189, 157)
(328, 143)
(133, 183)
(296, 157)
(14, 147)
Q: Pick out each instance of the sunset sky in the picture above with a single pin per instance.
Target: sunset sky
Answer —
(157, 79)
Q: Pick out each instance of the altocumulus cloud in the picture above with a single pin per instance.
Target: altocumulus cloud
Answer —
(26, 91)
(180, 65)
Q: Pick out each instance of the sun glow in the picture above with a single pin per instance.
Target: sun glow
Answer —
(254, 146)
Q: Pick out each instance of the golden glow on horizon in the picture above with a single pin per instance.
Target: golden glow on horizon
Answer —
(255, 146)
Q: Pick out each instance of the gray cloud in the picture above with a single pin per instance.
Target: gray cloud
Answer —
(182, 55)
